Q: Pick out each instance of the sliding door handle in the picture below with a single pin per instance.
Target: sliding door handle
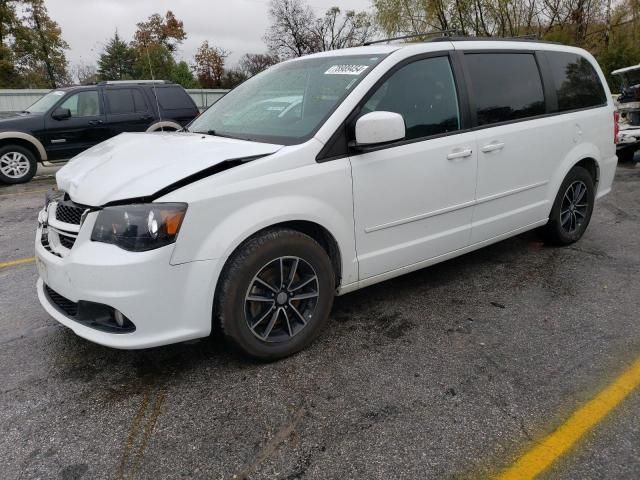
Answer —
(492, 147)
(467, 152)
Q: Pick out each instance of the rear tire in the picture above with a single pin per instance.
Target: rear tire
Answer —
(275, 294)
(572, 208)
(17, 164)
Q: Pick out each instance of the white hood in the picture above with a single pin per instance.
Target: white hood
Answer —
(135, 165)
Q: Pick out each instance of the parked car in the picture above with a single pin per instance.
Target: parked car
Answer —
(399, 157)
(68, 121)
(629, 108)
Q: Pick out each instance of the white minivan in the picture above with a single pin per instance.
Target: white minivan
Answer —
(320, 176)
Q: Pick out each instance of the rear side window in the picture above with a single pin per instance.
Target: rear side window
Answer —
(424, 93)
(125, 100)
(172, 98)
(505, 86)
(576, 82)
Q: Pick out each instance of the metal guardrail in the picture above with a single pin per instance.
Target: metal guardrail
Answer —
(12, 100)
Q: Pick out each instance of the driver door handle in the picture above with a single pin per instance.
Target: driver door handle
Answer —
(463, 153)
(93, 123)
(492, 147)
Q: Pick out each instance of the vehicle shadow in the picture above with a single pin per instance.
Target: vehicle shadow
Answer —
(126, 372)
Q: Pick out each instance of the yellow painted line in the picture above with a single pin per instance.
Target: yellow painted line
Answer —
(552, 447)
(20, 261)
(23, 193)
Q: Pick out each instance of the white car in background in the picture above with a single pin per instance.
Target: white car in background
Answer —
(629, 108)
(389, 159)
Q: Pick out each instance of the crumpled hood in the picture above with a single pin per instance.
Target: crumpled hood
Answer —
(134, 165)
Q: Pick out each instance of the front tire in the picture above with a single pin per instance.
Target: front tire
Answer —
(17, 164)
(572, 208)
(275, 294)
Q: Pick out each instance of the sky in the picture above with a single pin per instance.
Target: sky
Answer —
(238, 26)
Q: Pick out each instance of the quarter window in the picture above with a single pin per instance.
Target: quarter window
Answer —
(424, 93)
(576, 82)
(505, 86)
(83, 104)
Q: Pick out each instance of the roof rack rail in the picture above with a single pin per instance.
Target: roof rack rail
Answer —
(457, 36)
(129, 82)
(521, 38)
(442, 33)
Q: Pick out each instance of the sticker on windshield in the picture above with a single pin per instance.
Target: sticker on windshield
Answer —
(346, 70)
(59, 94)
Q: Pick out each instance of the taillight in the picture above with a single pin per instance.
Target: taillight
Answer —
(616, 126)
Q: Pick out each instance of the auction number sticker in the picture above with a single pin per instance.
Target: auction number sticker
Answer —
(346, 70)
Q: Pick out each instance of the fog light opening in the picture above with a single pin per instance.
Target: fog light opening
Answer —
(119, 318)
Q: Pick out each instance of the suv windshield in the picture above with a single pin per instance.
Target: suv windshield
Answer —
(287, 103)
(46, 102)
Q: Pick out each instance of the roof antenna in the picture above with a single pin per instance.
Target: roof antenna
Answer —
(155, 94)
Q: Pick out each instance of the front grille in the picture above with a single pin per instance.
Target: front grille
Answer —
(69, 212)
(45, 243)
(66, 241)
(64, 304)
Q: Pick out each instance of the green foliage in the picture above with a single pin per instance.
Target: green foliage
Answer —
(183, 75)
(117, 60)
(32, 51)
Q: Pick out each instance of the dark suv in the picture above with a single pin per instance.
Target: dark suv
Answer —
(69, 120)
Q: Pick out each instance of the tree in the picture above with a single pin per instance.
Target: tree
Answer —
(8, 25)
(84, 74)
(183, 75)
(253, 63)
(334, 30)
(40, 49)
(295, 30)
(232, 78)
(154, 44)
(289, 34)
(117, 60)
(209, 65)
(168, 31)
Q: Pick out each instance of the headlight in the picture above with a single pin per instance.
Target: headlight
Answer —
(139, 228)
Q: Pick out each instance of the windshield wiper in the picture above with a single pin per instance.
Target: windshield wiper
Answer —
(217, 134)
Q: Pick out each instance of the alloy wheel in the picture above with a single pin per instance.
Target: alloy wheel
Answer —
(573, 210)
(14, 165)
(281, 299)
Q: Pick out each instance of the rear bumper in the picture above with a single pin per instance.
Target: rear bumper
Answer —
(166, 303)
(607, 174)
(627, 138)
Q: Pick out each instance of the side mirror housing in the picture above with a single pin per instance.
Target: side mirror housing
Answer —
(377, 128)
(61, 113)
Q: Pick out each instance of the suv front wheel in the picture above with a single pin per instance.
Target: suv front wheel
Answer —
(17, 164)
(275, 294)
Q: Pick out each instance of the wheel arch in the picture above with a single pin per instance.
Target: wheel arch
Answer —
(24, 140)
(314, 230)
(157, 126)
(586, 156)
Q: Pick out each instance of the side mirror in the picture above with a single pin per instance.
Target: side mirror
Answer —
(61, 113)
(376, 128)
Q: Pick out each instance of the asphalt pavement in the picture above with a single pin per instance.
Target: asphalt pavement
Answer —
(453, 371)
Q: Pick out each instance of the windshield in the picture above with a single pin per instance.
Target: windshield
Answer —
(46, 102)
(287, 103)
